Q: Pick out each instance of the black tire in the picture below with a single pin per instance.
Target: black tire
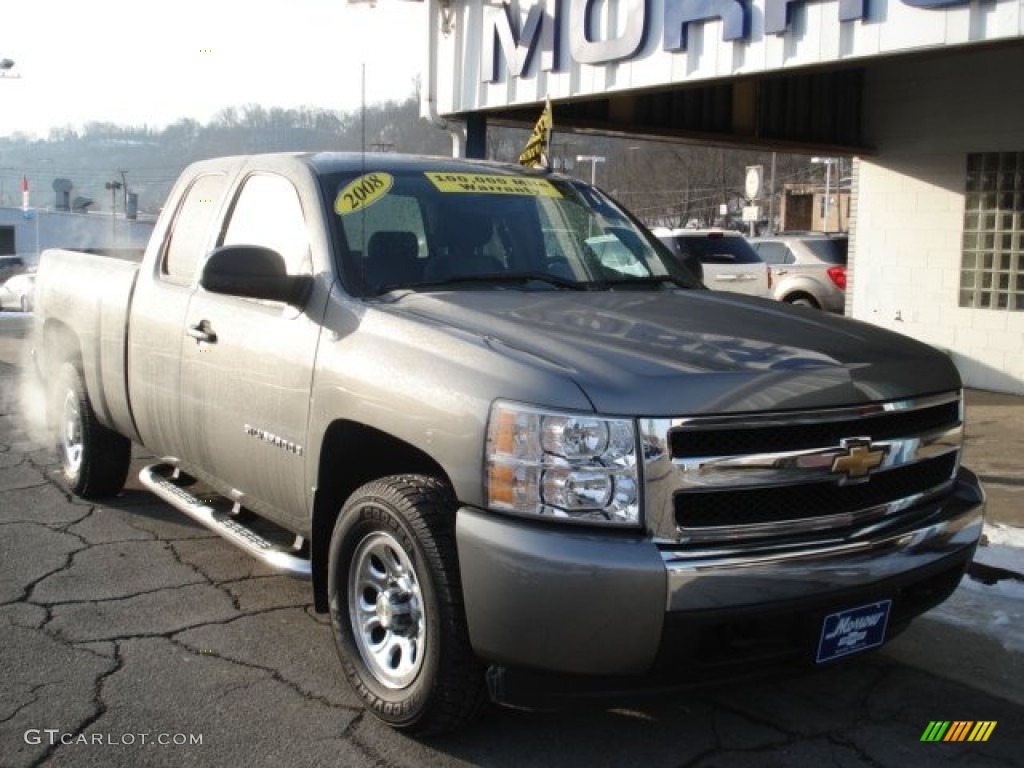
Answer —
(803, 300)
(94, 459)
(394, 588)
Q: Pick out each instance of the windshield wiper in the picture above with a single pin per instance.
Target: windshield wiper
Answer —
(645, 280)
(522, 278)
(517, 278)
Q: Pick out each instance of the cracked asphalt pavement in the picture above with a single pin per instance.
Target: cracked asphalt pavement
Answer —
(131, 636)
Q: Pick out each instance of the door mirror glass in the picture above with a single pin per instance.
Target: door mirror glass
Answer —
(254, 272)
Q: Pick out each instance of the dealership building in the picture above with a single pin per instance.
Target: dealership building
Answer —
(926, 95)
(26, 232)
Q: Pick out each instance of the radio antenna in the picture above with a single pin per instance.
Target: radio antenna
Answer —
(362, 108)
(362, 172)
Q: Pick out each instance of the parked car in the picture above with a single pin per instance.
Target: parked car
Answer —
(808, 268)
(724, 260)
(11, 266)
(16, 292)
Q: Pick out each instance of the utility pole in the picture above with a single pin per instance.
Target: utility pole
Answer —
(124, 182)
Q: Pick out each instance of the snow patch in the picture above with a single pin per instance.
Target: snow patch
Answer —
(995, 610)
(1008, 535)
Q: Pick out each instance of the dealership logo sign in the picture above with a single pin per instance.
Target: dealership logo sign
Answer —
(542, 32)
(959, 730)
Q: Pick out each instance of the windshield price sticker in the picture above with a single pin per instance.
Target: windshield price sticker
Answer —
(363, 192)
(492, 184)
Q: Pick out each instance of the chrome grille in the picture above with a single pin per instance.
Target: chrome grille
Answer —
(750, 506)
(695, 439)
(722, 479)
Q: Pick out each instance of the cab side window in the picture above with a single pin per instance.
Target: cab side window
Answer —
(775, 253)
(190, 231)
(268, 213)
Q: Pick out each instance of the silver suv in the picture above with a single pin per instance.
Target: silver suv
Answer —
(808, 268)
(723, 259)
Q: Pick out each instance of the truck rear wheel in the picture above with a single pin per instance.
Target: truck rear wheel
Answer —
(94, 459)
(396, 606)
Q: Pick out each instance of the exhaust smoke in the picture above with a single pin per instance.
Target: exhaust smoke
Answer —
(22, 392)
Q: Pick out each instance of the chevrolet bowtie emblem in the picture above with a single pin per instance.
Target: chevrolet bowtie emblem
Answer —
(859, 458)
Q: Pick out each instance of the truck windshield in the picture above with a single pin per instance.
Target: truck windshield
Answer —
(494, 230)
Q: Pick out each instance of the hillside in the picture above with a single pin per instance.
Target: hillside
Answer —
(663, 183)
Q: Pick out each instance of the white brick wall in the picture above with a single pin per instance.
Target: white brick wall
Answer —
(925, 116)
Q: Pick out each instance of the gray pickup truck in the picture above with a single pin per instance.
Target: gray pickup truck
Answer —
(518, 450)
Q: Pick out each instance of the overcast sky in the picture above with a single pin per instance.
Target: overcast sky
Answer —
(150, 62)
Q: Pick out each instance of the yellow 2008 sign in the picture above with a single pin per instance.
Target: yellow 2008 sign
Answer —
(363, 192)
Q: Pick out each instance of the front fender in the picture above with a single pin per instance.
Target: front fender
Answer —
(424, 385)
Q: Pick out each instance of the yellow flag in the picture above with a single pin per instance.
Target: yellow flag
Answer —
(536, 151)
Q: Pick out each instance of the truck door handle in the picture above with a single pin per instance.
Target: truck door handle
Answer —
(201, 332)
(781, 271)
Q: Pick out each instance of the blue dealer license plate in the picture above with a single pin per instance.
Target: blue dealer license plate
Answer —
(853, 630)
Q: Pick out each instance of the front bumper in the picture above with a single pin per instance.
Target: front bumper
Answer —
(579, 602)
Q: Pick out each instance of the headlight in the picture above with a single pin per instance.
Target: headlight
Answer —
(562, 465)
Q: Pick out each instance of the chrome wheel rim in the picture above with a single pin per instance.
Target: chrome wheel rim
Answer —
(386, 609)
(71, 448)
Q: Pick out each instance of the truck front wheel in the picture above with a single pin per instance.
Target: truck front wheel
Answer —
(94, 460)
(396, 606)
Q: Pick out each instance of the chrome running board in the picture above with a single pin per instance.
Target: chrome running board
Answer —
(160, 479)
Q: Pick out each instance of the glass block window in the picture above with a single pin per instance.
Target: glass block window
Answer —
(992, 266)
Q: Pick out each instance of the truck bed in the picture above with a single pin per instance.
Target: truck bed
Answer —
(82, 300)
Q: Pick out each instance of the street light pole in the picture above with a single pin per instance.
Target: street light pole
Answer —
(113, 186)
(827, 162)
(593, 160)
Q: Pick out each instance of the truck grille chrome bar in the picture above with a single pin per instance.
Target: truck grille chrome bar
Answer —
(723, 479)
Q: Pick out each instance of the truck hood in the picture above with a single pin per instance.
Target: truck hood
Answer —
(664, 353)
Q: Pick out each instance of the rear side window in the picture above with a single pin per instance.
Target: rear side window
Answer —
(774, 253)
(190, 231)
(831, 250)
(718, 249)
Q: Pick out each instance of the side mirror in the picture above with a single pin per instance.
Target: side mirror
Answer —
(254, 272)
